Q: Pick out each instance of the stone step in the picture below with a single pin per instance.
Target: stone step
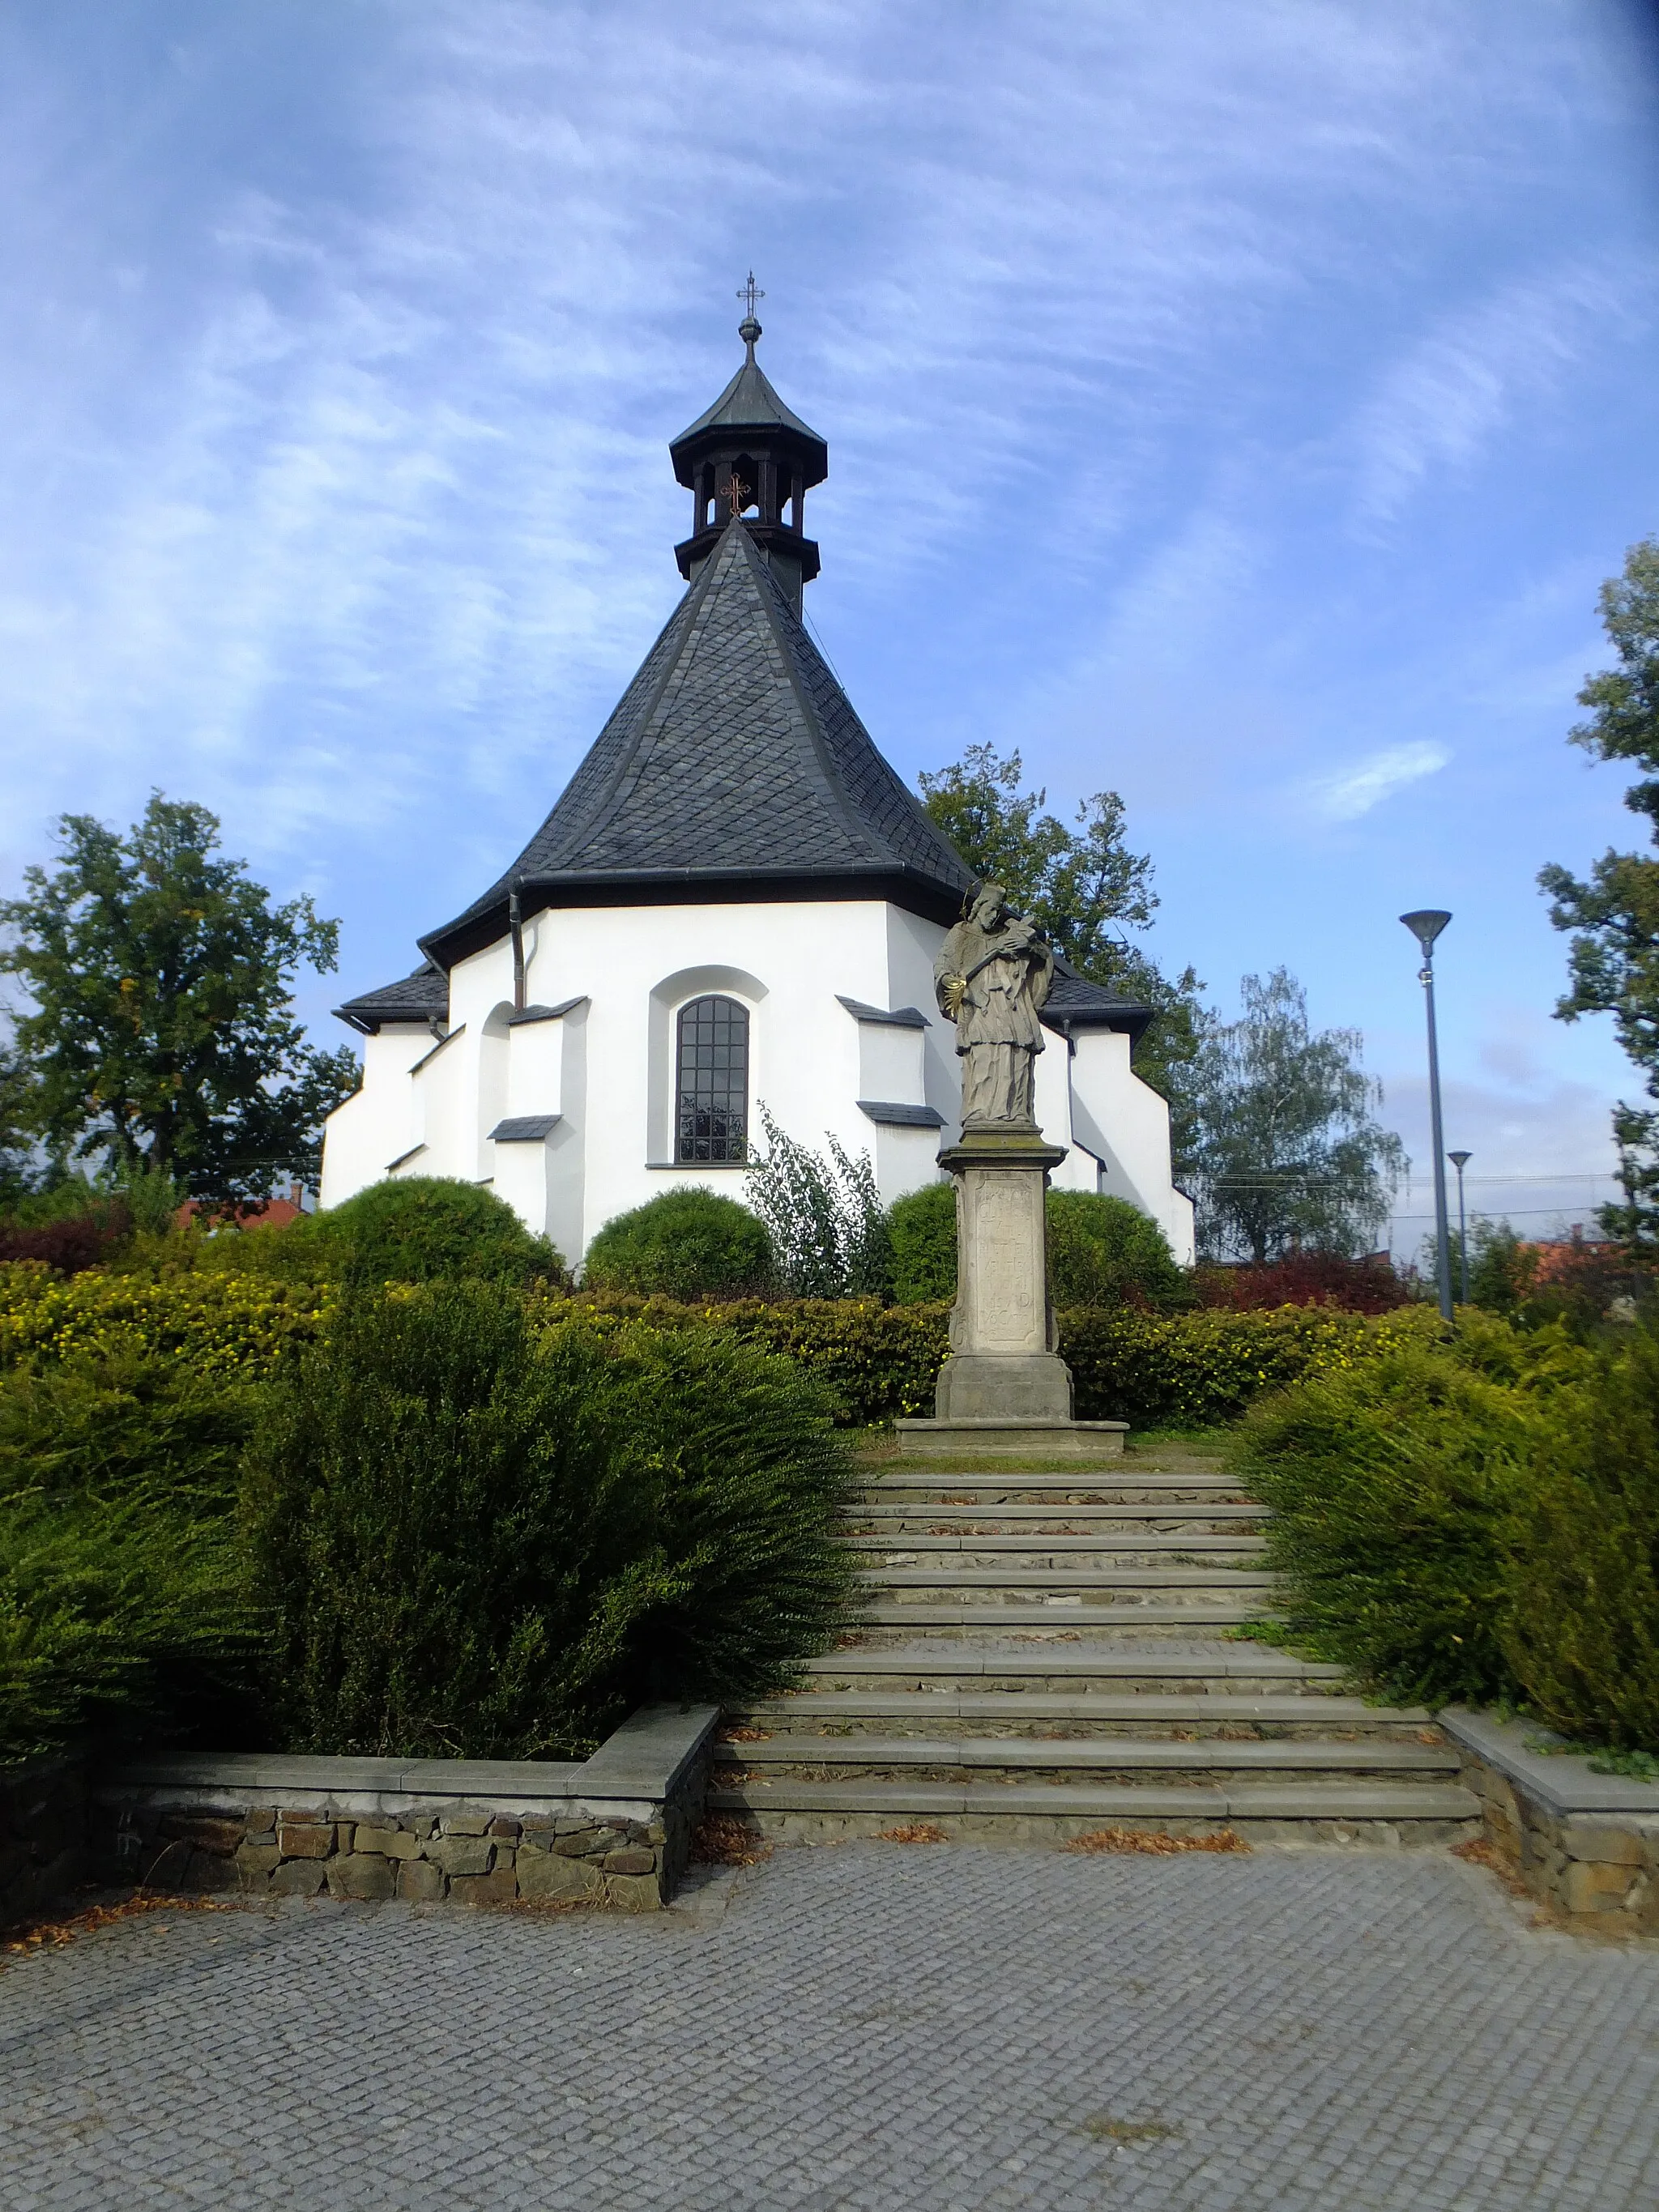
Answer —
(1034, 1547)
(1004, 1584)
(1071, 1668)
(1077, 1760)
(1099, 1490)
(1310, 1811)
(1059, 1618)
(871, 1520)
(999, 1712)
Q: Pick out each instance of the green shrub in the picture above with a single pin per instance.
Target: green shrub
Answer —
(125, 1608)
(922, 1229)
(1395, 1488)
(688, 1243)
(1102, 1251)
(1202, 1369)
(225, 1324)
(480, 1537)
(412, 1229)
(1582, 1633)
(878, 1363)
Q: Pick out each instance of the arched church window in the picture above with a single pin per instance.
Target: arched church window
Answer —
(712, 1096)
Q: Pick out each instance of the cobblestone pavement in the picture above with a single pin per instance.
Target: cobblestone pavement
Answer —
(875, 2026)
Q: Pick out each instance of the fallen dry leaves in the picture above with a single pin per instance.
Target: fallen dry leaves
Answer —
(718, 1839)
(1156, 1845)
(913, 1832)
(53, 1935)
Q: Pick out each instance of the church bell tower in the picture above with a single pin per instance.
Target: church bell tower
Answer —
(750, 456)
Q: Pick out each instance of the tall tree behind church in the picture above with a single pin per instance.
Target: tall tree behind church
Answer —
(1083, 887)
(1613, 960)
(1288, 1154)
(161, 1036)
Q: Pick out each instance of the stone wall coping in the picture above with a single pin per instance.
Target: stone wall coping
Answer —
(1561, 1782)
(641, 1762)
(210, 1799)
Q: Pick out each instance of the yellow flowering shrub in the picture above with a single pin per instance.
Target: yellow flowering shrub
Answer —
(220, 1324)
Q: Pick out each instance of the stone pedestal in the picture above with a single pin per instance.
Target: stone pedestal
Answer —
(1004, 1365)
(1004, 1387)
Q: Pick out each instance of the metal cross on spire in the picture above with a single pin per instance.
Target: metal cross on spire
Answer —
(749, 294)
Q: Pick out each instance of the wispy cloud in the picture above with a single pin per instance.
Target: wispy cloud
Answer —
(1352, 791)
(1443, 402)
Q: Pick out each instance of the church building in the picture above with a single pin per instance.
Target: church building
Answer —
(734, 901)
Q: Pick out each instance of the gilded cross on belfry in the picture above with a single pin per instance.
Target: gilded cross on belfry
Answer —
(737, 493)
(749, 294)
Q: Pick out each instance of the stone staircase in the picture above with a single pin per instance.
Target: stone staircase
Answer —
(1046, 1653)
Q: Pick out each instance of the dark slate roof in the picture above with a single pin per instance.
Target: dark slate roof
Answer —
(524, 1129)
(421, 997)
(748, 402)
(895, 1116)
(1074, 1004)
(900, 1017)
(733, 767)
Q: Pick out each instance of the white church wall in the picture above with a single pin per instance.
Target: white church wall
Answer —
(912, 947)
(607, 1068)
(376, 1123)
(639, 966)
(1124, 1123)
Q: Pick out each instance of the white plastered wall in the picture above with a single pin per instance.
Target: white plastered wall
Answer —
(606, 1067)
(1125, 1125)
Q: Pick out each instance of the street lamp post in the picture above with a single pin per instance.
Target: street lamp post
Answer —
(1460, 1161)
(1425, 926)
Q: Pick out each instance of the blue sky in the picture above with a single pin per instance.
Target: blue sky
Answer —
(1236, 404)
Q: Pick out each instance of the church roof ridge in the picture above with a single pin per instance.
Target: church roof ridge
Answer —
(734, 763)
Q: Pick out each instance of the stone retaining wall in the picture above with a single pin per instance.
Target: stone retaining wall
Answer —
(1586, 1844)
(612, 1829)
(43, 1826)
(470, 1854)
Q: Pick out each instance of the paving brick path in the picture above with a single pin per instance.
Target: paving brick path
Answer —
(867, 2025)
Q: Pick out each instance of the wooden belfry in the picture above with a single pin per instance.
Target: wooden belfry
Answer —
(750, 450)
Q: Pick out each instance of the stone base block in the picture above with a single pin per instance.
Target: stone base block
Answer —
(1027, 1439)
(1004, 1386)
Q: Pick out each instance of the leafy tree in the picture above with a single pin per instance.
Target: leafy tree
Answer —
(162, 1031)
(1081, 886)
(1288, 1155)
(1613, 960)
(17, 1168)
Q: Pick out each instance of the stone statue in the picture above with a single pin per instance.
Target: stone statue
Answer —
(991, 978)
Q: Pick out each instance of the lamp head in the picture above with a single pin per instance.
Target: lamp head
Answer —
(1425, 925)
(1459, 1160)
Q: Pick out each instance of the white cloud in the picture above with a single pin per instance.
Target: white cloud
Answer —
(1441, 405)
(1352, 791)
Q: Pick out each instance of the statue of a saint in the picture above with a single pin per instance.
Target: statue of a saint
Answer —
(991, 978)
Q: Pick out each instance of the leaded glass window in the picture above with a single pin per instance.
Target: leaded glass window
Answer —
(712, 1094)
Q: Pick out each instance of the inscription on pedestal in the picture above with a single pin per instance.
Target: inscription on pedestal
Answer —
(1011, 1295)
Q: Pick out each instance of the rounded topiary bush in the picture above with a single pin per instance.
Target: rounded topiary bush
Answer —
(1103, 1251)
(922, 1230)
(686, 1243)
(423, 1229)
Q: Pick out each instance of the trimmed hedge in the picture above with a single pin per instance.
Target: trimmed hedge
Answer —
(1181, 1369)
(220, 1323)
